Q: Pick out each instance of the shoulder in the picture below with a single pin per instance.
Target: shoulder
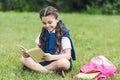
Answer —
(37, 39)
(65, 42)
(65, 38)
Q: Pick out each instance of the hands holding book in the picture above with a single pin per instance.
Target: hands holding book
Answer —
(47, 57)
(24, 51)
(36, 54)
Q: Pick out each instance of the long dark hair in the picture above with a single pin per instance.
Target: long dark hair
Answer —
(58, 31)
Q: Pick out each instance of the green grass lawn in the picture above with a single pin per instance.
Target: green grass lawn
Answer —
(92, 35)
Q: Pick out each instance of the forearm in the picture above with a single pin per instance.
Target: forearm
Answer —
(65, 55)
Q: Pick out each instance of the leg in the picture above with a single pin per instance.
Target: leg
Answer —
(63, 64)
(59, 66)
(30, 63)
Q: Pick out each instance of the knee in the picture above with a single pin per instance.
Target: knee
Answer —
(63, 63)
(22, 59)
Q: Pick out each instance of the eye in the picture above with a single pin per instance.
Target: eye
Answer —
(44, 23)
(49, 22)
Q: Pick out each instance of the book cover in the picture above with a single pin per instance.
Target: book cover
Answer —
(87, 76)
(36, 54)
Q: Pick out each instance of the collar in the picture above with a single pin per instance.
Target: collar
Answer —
(52, 31)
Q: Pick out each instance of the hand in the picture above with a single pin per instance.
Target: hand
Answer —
(47, 57)
(24, 52)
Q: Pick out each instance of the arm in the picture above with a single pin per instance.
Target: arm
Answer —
(24, 51)
(66, 55)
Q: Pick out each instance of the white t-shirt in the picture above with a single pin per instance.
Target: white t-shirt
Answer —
(65, 43)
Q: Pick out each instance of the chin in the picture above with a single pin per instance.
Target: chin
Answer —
(49, 30)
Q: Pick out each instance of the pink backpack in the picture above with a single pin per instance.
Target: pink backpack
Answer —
(99, 64)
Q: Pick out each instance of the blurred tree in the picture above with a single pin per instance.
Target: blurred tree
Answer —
(89, 6)
(4, 5)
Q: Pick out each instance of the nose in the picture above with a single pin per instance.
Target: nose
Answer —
(47, 25)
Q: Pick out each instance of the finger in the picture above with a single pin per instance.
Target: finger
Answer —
(25, 55)
(45, 55)
(24, 52)
(22, 47)
(42, 58)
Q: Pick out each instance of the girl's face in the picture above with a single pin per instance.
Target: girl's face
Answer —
(49, 22)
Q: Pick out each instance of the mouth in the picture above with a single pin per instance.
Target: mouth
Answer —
(48, 29)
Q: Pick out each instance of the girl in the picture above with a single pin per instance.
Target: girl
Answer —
(55, 41)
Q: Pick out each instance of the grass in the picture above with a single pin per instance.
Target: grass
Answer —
(92, 35)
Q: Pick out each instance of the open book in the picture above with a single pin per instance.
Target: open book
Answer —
(35, 53)
(87, 76)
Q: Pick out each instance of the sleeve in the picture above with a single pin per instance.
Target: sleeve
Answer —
(66, 43)
(37, 40)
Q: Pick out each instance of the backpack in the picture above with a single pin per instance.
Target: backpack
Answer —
(99, 64)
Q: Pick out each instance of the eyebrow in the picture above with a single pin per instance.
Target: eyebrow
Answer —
(47, 21)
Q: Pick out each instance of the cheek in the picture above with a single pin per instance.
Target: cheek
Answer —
(44, 26)
(55, 24)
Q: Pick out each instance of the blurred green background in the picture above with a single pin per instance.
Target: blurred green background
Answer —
(86, 6)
